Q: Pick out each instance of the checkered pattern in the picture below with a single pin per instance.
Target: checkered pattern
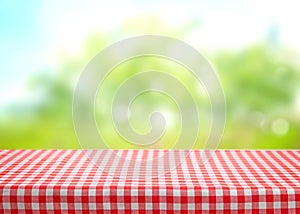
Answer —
(61, 181)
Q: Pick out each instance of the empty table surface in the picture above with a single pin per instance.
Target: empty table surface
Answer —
(231, 180)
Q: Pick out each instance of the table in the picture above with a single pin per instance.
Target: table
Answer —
(63, 181)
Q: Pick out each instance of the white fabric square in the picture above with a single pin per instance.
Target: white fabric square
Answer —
(78, 206)
(190, 193)
(247, 192)
(176, 192)
(205, 206)
(92, 192)
(162, 192)
(134, 206)
(262, 191)
(205, 192)
(276, 191)
(6, 206)
(35, 192)
(233, 192)
(234, 206)
(177, 206)
(49, 206)
(77, 192)
(148, 206)
(162, 206)
(219, 206)
(219, 192)
(35, 206)
(106, 206)
(134, 192)
(276, 204)
(49, 192)
(148, 192)
(92, 206)
(64, 206)
(20, 192)
(21, 206)
(191, 206)
(6, 192)
(106, 192)
(262, 205)
(121, 206)
(120, 192)
(291, 204)
(63, 192)
(248, 205)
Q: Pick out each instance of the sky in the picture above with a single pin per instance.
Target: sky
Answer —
(32, 33)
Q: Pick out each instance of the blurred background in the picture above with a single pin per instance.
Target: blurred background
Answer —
(253, 45)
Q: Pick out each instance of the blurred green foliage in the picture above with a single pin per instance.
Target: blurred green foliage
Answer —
(260, 86)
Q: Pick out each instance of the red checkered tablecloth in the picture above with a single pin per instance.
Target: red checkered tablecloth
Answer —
(61, 181)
